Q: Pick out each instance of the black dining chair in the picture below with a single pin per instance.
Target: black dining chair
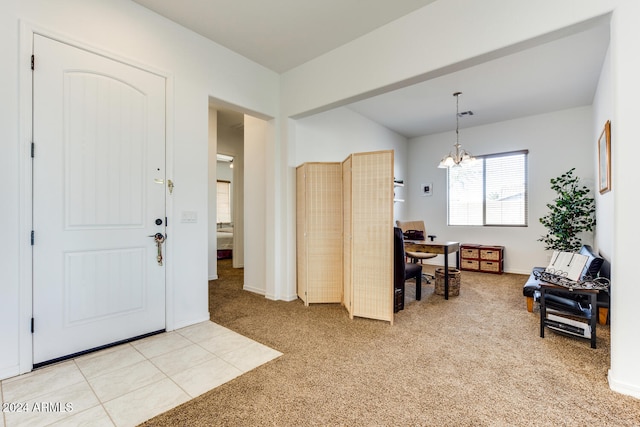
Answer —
(403, 271)
(418, 256)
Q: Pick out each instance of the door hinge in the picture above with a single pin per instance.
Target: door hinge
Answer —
(33, 62)
(33, 323)
(33, 149)
(33, 237)
(166, 222)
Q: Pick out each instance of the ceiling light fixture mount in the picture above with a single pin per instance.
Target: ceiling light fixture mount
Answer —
(460, 155)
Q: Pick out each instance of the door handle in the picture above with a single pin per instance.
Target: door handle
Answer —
(158, 238)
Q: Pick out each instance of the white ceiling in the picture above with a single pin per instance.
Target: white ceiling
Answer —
(553, 76)
(282, 34)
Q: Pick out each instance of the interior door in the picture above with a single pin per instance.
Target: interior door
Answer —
(98, 194)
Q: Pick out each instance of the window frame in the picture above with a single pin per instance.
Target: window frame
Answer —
(482, 158)
(228, 203)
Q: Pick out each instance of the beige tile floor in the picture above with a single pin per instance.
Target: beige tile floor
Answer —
(130, 383)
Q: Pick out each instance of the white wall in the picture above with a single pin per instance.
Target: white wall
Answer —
(238, 205)
(225, 173)
(212, 192)
(624, 375)
(556, 142)
(255, 248)
(196, 69)
(603, 111)
(10, 318)
(333, 135)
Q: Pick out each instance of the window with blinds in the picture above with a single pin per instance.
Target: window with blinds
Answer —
(223, 202)
(492, 191)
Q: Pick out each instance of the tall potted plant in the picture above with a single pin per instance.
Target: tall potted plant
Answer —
(571, 213)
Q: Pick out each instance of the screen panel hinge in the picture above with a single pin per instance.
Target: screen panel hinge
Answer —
(33, 150)
(33, 62)
(33, 325)
(33, 237)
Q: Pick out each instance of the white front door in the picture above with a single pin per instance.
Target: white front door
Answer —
(98, 189)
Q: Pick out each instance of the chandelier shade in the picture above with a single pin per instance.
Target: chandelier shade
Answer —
(459, 156)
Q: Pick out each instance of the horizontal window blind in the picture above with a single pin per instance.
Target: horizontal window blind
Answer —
(489, 191)
(223, 201)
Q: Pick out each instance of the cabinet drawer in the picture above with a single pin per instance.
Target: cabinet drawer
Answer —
(491, 266)
(469, 264)
(490, 254)
(469, 253)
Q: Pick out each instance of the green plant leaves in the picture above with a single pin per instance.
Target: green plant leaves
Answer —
(571, 213)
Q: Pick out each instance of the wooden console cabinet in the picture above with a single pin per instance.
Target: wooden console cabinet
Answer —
(483, 258)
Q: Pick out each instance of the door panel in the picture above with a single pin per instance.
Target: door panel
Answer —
(101, 284)
(105, 152)
(98, 186)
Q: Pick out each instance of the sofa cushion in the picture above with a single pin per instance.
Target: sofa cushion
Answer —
(532, 284)
(567, 305)
(592, 267)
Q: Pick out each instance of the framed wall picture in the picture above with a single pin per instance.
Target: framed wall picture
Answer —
(427, 189)
(604, 159)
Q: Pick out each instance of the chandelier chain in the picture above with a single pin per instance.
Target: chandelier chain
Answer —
(457, 95)
(460, 156)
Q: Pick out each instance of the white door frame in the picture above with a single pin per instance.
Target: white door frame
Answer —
(27, 31)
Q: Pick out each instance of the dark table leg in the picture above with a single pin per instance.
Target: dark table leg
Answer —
(446, 272)
(543, 313)
(593, 320)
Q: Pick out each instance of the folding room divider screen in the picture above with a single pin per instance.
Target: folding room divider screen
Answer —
(319, 232)
(345, 234)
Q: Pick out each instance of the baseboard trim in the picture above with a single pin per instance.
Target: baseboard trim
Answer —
(453, 264)
(191, 322)
(9, 372)
(254, 290)
(622, 387)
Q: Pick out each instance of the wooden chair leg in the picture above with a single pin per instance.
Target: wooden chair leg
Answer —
(603, 313)
(530, 304)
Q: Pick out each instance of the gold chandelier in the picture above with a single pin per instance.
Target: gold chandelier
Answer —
(460, 155)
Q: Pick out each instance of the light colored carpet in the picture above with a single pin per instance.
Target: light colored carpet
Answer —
(474, 360)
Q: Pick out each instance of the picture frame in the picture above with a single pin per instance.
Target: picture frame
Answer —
(427, 189)
(604, 159)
